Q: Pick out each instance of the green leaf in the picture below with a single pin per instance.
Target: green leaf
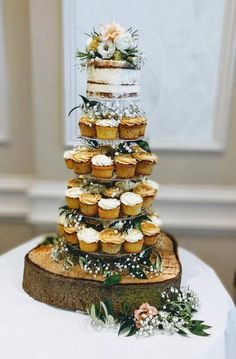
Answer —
(74, 108)
(109, 306)
(50, 239)
(85, 100)
(198, 331)
(144, 145)
(132, 331)
(197, 327)
(112, 280)
(124, 327)
(93, 143)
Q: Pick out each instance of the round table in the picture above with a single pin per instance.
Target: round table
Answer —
(29, 329)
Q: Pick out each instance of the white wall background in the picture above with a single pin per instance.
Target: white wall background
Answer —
(183, 43)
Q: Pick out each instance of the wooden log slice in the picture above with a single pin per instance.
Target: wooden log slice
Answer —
(47, 281)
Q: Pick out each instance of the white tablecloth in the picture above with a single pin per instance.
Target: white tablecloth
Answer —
(29, 329)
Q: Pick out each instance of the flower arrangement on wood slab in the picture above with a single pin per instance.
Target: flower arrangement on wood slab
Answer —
(174, 316)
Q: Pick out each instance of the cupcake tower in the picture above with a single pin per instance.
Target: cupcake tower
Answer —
(108, 201)
(109, 247)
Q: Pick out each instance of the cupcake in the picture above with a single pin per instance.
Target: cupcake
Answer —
(151, 183)
(75, 182)
(68, 156)
(131, 203)
(107, 129)
(111, 240)
(60, 224)
(146, 162)
(133, 241)
(72, 197)
(88, 239)
(109, 208)
(150, 232)
(129, 128)
(70, 235)
(146, 192)
(102, 166)
(89, 204)
(112, 192)
(142, 125)
(82, 162)
(125, 166)
(87, 127)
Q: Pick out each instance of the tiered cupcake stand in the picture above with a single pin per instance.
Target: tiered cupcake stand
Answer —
(48, 281)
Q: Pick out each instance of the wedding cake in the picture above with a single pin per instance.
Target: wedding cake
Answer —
(109, 245)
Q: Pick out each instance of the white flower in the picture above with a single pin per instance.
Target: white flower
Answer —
(124, 41)
(106, 49)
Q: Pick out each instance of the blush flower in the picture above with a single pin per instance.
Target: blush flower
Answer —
(143, 312)
(111, 31)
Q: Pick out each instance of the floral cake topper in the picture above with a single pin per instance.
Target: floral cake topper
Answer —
(112, 42)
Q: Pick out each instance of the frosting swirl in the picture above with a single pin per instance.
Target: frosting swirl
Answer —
(144, 190)
(107, 123)
(130, 198)
(69, 154)
(133, 235)
(82, 156)
(88, 235)
(75, 182)
(125, 160)
(130, 121)
(111, 236)
(102, 160)
(108, 203)
(151, 183)
(112, 192)
(74, 192)
(89, 198)
(156, 220)
(87, 120)
(69, 230)
(149, 228)
(145, 156)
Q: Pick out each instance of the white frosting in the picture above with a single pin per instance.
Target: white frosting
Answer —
(88, 235)
(102, 160)
(130, 198)
(151, 183)
(74, 192)
(118, 82)
(68, 154)
(108, 203)
(108, 123)
(133, 235)
(155, 220)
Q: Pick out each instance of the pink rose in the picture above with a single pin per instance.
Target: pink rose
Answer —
(111, 31)
(143, 312)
